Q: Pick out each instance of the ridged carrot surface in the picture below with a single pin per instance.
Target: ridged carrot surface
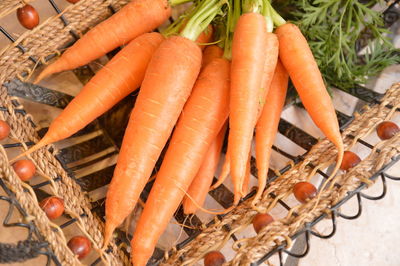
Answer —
(201, 120)
(167, 84)
(248, 60)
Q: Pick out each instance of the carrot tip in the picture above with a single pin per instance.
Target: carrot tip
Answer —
(108, 232)
(43, 142)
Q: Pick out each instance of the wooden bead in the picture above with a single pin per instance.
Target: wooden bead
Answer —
(261, 220)
(73, 1)
(80, 246)
(53, 207)
(4, 130)
(387, 130)
(25, 169)
(304, 191)
(28, 16)
(350, 159)
(214, 258)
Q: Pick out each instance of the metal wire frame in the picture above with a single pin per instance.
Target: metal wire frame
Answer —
(295, 134)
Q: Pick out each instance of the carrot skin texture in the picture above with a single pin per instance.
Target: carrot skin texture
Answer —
(269, 67)
(200, 185)
(246, 181)
(211, 52)
(297, 58)
(267, 125)
(167, 84)
(248, 60)
(199, 124)
(119, 29)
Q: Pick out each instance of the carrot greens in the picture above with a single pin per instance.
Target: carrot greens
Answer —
(335, 31)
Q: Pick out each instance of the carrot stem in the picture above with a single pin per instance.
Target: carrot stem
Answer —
(200, 21)
(277, 19)
(252, 6)
(267, 13)
(178, 2)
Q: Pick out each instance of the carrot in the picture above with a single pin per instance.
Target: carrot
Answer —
(201, 120)
(248, 59)
(167, 84)
(201, 183)
(246, 181)
(119, 77)
(303, 70)
(224, 172)
(134, 19)
(269, 67)
(267, 125)
(211, 52)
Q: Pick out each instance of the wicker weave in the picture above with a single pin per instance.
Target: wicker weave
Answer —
(53, 35)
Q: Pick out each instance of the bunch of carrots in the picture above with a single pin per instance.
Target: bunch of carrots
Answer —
(239, 82)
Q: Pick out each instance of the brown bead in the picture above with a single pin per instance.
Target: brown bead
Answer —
(53, 207)
(25, 169)
(214, 258)
(28, 16)
(261, 220)
(386, 130)
(304, 191)
(350, 159)
(73, 1)
(4, 130)
(80, 246)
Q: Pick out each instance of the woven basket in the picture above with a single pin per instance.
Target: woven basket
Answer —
(33, 48)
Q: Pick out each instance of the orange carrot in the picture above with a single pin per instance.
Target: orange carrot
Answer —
(269, 67)
(119, 77)
(134, 19)
(224, 172)
(246, 181)
(199, 124)
(211, 52)
(303, 70)
(267, 125)
(248, 60)
(167, 84)
(201, 183)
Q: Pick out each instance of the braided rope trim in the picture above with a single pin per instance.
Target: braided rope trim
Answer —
(252, 249)
(39, 43)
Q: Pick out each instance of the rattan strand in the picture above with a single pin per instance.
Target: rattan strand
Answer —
(42, 41)
(254, 248)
